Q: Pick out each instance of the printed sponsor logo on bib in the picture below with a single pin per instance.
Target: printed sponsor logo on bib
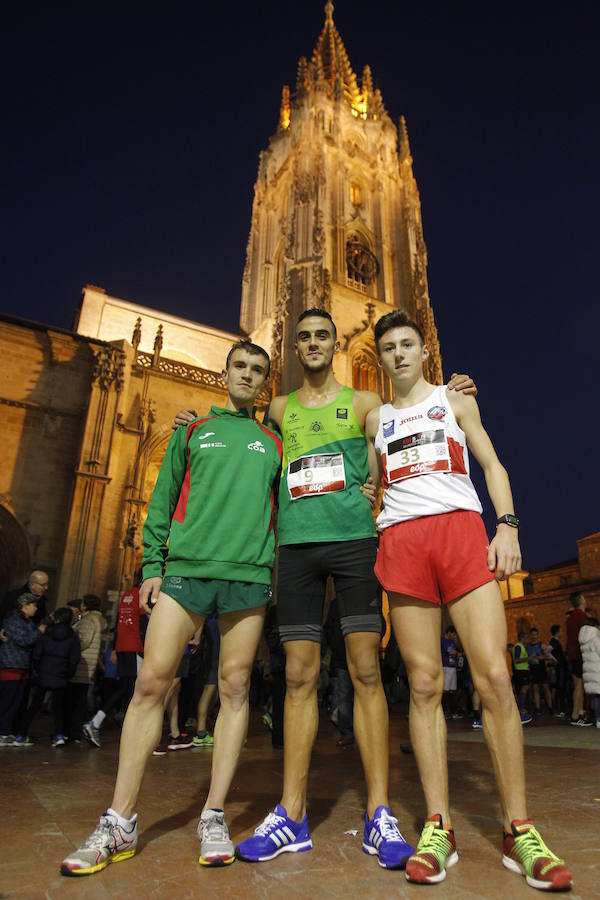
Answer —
(388, 429)
(341, 413)
(322, 473)
(420, 453)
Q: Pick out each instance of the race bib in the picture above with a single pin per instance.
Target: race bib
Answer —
(418, 454)
(309, 476)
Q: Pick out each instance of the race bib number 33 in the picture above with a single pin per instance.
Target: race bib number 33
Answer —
(322, 473)
(418, 454)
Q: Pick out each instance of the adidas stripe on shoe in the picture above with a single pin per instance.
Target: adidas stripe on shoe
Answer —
(276, 834)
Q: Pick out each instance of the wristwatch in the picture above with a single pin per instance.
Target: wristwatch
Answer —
(508, 519)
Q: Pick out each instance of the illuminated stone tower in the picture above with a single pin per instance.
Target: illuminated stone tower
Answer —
(336, 221)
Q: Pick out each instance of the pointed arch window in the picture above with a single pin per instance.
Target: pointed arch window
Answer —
(367, 375)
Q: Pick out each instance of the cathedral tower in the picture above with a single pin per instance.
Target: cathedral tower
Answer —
(336, 221)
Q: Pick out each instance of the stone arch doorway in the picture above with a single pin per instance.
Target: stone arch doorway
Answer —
(15, 555)
(147, 463)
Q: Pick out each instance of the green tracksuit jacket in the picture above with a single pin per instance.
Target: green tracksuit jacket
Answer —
(211, 512)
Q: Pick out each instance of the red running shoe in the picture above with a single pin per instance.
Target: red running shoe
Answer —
(436, 852)
(525, 853)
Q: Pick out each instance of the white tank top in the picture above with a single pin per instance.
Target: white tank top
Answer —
(425, 461)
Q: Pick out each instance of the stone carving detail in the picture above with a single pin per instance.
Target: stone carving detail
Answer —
(176, 369)
(290, 238)
(318, 234)
(136, 337)
(433, 365)
(366, 324)
(248, 264)
(320, 288)
(280, 314)
(108, 369)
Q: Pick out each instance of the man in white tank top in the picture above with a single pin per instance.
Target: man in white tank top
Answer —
(434, 550)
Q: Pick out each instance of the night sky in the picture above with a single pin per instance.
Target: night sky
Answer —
(130, 150)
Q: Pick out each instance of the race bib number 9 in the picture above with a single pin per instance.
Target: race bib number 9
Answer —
(418, 454)
(309, 476)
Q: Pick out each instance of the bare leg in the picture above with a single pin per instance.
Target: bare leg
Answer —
(370, 715)
(240, 634)
(301, 720)
(171, 627)
(417, 626)
(481, 625)
(207, 697)
(172, 707)
(578, 709)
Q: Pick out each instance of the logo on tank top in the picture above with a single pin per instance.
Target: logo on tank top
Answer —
(341, 413)
(388, 429)
(316, 426)
(293, 417)
(438, 413)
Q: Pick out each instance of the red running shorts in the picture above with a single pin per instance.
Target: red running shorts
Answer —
(435, 558)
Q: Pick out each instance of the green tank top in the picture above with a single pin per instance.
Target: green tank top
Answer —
(324, 463)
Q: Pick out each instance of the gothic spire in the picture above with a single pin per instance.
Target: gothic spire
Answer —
(404, 148)
(330, 53)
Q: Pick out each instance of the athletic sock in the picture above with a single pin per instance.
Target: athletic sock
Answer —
(98, 719)
(124, 823)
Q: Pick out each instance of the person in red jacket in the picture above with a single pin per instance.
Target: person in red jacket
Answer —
(128, 645)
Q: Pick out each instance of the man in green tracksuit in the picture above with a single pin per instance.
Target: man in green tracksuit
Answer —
(209, 546)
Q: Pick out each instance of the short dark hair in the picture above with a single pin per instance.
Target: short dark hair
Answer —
(396, 319)
(576, 599)
(252, 349)
(317, 311)
(92, 602)
(25, 599)
(554, 630)
(63, 615)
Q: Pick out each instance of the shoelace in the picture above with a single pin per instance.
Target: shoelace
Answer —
(272, 821)
(215, 829)
(531, 847)
(433, 840)
(101, 834)
(388, 827)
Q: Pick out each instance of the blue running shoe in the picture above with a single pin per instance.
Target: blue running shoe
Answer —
(383, 839)
(277, 834)
(526, 718)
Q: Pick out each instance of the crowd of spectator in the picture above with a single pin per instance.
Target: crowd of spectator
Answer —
(71, 664)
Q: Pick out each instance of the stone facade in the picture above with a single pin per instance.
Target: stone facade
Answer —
(85, 423)
(545, 599)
